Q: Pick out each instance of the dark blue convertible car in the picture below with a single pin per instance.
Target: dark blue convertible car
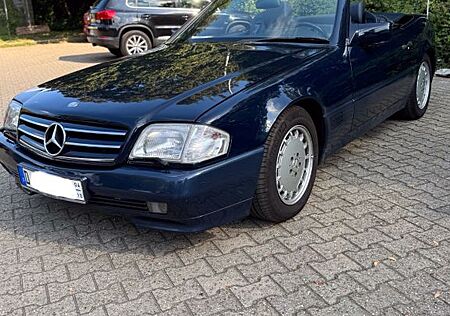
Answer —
(214, 126)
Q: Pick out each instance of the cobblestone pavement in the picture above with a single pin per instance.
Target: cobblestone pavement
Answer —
(374, 239)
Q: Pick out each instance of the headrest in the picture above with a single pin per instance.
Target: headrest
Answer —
(268, 4)
(358, 12)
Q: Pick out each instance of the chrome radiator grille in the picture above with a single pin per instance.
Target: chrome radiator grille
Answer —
(83, 142)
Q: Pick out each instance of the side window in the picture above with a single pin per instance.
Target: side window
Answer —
(193, 4)
(151, 3)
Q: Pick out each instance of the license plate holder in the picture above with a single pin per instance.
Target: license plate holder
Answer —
(51, 185)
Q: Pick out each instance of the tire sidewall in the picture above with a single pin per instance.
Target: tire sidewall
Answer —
(414, 106)
(127, 35)
(300, 117)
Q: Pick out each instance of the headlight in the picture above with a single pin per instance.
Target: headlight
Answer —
(182, 143)
(12, 116)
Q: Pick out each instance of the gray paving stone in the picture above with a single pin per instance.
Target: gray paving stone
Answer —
(292, 281)
(11, 302)
(269, 248)
(332, 248)
(331, 268)
(233, 259)
(405, 245)
(373, 277)
(410, 265)
(334, 230)
(88, 302)
(180, 275)
(332, 291)
(297, 301)
(84, 284)
(137, 287)
(260, 308)
(416, 288)
(169, 298)
(383, 297)
(249, 294)
(218, 303)
(144, 305)
(65, 307)
(367, 238)
(254, 272)
(344, 308)
(302, 239)
(222, 281)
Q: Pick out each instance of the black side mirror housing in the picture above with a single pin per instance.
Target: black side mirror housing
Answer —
(372, 36)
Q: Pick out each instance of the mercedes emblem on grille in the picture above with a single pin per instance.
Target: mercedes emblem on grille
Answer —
(54, 139)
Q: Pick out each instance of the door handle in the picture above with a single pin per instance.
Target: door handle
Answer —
(408, 46)
(185, 17)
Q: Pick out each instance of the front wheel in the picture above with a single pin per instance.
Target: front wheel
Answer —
(420, 95)
(289, 167)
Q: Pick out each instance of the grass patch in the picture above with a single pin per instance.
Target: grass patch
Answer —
(43, 38)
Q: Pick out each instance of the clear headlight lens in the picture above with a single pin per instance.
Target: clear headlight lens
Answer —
(182, 143)
(12, 116)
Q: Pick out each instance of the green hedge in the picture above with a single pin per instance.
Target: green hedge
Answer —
(440, 16)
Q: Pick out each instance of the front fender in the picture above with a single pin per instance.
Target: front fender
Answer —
(322, 84)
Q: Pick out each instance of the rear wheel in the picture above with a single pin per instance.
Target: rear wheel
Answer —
(135, 42)
(115, 52)
(289, 167)
(420, 95)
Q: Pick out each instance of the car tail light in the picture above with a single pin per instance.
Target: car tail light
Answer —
(105, 15)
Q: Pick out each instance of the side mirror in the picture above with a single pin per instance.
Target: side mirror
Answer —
(372, 36)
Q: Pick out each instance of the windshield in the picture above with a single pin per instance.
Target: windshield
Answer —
(263, 20)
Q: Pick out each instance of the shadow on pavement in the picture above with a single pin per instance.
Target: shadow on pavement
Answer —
(88, 58)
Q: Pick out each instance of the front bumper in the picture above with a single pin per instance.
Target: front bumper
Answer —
(197, 199)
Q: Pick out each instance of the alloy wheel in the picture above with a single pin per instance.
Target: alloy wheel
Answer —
(136, 44)
(294, 165)
(423, 85)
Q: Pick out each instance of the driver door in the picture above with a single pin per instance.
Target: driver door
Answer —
(378, 77)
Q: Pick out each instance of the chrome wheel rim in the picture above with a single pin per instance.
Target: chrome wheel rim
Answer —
(423, 85)
(136, 44)
(294, 166)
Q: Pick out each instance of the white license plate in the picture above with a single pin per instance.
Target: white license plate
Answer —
(51, 185)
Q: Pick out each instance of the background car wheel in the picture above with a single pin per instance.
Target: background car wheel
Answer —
(420, 95)
(115, 52)
(289, 166)
(135, 42)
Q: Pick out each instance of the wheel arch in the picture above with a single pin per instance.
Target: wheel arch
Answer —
(137, 27)
(316, 110)
(431, 52)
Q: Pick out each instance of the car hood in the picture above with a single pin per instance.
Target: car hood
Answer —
(170, 83)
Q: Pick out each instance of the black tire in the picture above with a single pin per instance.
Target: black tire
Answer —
(128, 35)
(115, 51)
(267, 204)
(412, 111)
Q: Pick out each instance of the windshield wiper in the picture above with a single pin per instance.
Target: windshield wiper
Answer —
(315, 40)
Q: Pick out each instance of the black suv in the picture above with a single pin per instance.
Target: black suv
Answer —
(128, 27)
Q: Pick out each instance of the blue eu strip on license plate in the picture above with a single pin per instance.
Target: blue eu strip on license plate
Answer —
(23, 176)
